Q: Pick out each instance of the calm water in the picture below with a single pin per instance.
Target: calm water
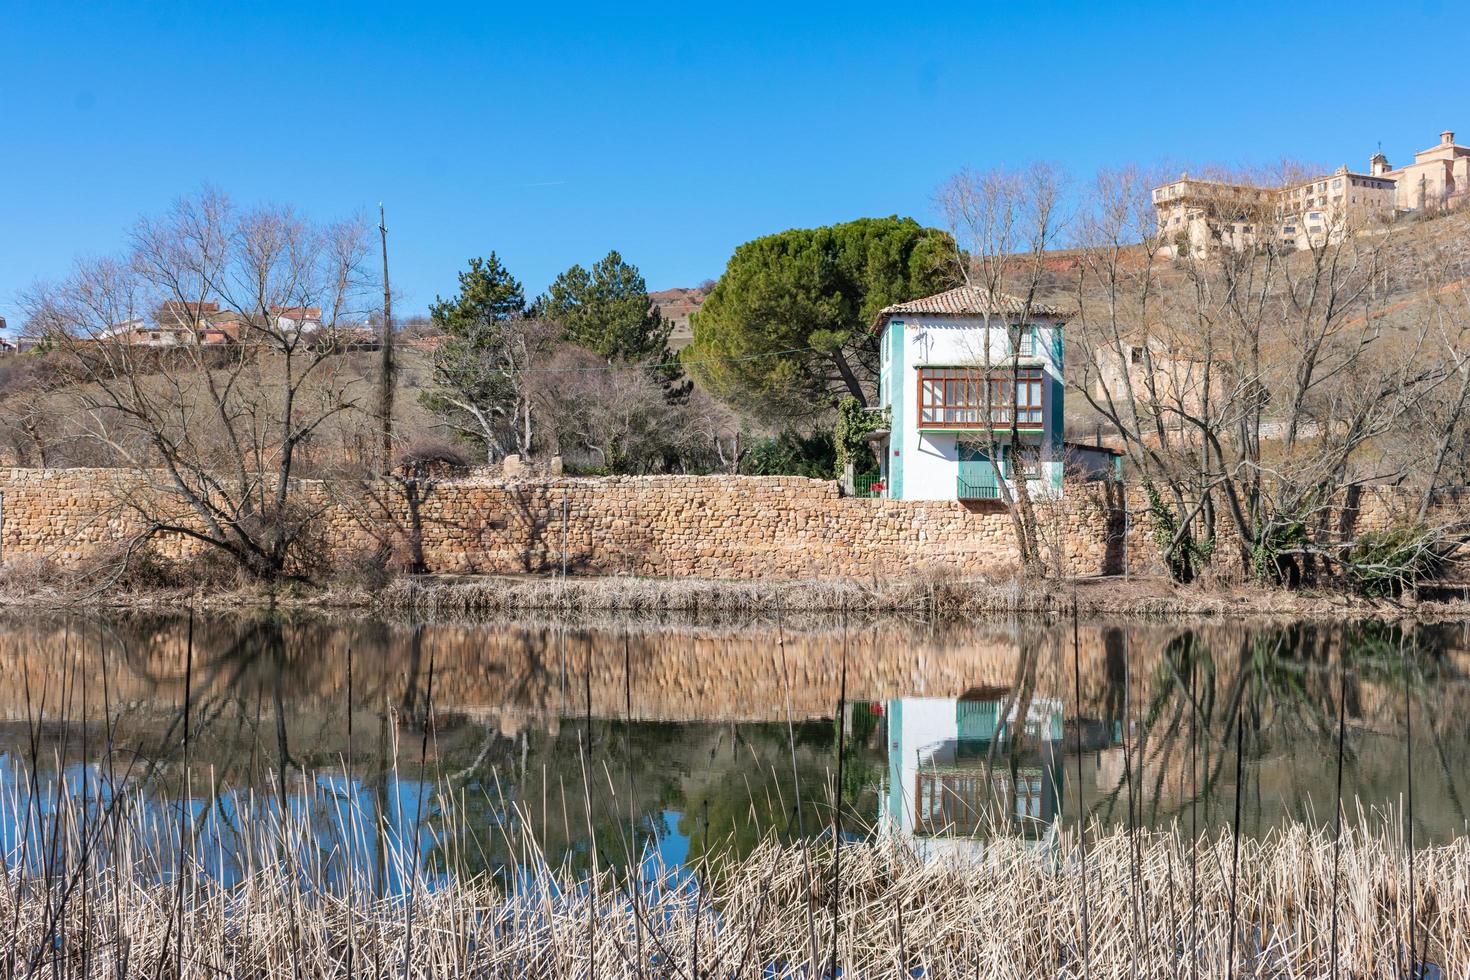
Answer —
(621, 742)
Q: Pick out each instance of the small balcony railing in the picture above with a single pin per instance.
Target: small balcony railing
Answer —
(977, 488)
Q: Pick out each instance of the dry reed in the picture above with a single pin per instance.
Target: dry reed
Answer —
(935, 596)
(321, 888)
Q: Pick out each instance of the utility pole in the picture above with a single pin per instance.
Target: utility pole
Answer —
(387, 380)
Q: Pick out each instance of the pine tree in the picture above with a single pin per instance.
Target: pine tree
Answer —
(608, 311)
(488, 294)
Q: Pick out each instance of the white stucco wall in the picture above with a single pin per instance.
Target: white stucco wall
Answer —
(930, 460)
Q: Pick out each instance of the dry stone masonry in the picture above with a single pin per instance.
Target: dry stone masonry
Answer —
(737, 527)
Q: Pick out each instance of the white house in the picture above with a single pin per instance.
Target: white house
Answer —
(939, 357)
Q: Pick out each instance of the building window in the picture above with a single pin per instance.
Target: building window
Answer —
(1022, 340)
(956, 398)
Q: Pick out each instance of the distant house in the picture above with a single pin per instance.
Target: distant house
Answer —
(176, 323)
(6, 347)
(1170, 371)
(677, 306)
(290, 320)
(946, 361)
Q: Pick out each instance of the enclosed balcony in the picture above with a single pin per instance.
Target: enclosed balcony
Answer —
(958, 398)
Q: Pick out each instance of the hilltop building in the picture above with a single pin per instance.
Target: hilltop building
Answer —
(1195, 216)
(1438, 178)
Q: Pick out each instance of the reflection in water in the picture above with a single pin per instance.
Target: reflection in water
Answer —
(961, 770)
(446, 747)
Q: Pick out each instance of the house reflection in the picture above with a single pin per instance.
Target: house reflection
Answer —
(962, 771)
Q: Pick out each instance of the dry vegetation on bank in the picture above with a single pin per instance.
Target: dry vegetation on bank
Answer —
(935, 596)
(1295, 904)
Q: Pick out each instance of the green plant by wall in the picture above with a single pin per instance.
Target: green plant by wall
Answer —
(1388, 562)
(793, 454)
(854, 423)
(1185, 556)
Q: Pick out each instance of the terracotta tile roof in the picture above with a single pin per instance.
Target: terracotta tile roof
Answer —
(298, 312)
(974, 301)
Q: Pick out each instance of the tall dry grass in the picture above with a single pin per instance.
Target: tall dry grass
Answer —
(935, 595)
(320, 887)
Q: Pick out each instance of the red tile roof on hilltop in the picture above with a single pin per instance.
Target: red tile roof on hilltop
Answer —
(298, 312)
(974, 301)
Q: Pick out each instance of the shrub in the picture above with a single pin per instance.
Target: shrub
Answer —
(1388, 562)
(427, 456)
(793, 454)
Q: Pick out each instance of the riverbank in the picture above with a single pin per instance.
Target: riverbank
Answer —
(937, 596)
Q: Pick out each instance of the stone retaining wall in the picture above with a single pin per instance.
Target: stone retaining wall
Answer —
(706, 526)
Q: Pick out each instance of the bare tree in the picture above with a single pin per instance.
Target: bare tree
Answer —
(1253, 380)
(614, 415)
(204, 359)
(486, 383)
(1003, 223)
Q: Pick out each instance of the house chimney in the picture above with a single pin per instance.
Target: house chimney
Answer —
(1447, 137)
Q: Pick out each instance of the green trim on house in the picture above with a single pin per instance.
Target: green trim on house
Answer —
(1002, 429)
(1056, 395)
(895, 761)
(898, 403)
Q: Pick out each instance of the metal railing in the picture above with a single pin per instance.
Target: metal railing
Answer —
(869, 485)
(970, 488)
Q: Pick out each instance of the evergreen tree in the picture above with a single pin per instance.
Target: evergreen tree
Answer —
(479, 378)
(788, 330)
(488, 294)
(608, 311)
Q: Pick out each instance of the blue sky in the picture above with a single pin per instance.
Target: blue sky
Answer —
(552, 132)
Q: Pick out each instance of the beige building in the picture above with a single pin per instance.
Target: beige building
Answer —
(1325, 209)
(1438, 178)
(1196, 216)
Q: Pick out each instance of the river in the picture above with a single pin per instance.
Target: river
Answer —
(612, 742)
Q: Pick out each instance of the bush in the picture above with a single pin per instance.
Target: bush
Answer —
(794, 454)
(1389, 562)
(427, 456)
(369, 569)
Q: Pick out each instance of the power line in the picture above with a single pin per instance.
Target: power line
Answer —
(602, 368)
